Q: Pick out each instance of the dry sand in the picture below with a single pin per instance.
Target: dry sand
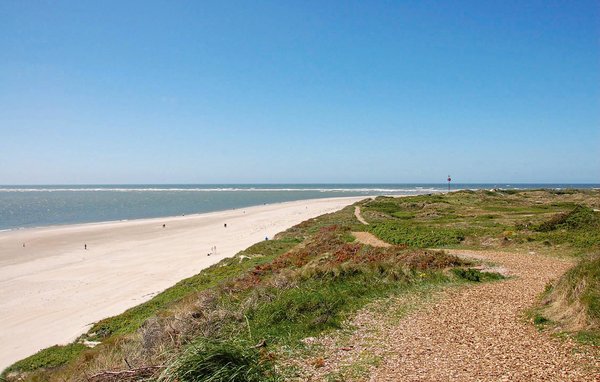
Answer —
(52, 289)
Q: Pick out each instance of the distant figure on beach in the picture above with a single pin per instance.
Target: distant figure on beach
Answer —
(85, 246)
(164, 225)
(23, 245)
(225, 225)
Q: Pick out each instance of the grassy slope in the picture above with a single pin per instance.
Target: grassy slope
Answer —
(572, 303)
(312, 277)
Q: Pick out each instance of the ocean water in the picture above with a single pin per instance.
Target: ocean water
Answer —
(36, 206)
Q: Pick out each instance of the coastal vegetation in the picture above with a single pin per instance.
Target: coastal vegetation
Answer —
(244, 318)
(572, 303)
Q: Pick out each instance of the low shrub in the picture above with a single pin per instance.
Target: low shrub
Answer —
(220, 361)
(475, 275)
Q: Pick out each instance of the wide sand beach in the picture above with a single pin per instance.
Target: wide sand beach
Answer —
(52, 288)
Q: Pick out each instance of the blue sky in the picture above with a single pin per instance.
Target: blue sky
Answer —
(307, 91)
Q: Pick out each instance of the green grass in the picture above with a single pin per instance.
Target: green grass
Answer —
(225, 361)
(417, 236)
(540, 320)
(48, 358)
(537, 217)
(588, 337)
(582, 283)
(319, 305)
(580, 217)
(579, 228)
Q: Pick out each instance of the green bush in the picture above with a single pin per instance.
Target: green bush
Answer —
(538, 319)
(475, 275)
(225, 361)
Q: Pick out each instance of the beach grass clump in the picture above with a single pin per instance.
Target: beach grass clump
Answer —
(475, 275)
(220, 361)
(572, 304)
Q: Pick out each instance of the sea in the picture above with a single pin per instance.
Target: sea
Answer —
(37, 206)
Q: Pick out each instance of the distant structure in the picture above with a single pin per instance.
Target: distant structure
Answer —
(449, 180)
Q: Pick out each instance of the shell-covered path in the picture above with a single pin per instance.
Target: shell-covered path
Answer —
(479, 333)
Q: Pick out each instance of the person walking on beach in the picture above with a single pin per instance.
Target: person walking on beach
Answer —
(85, 247)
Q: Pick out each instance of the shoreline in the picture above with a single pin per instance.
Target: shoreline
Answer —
(59, 225)
(53, 288)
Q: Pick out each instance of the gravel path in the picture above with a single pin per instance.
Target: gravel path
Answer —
(480, 334)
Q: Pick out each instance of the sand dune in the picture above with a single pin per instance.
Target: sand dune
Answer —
(52, 289)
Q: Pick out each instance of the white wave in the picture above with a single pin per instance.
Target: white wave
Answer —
(366, 189)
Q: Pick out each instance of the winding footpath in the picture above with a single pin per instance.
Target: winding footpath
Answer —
(479, 333)
(359, 216)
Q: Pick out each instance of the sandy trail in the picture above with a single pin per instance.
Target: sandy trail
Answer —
(370, 239)
(52, 289)
(359, 216)
(479, 333)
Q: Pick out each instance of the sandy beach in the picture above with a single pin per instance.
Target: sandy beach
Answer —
(52, 289)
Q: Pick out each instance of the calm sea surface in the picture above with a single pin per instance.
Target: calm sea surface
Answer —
(35, 206)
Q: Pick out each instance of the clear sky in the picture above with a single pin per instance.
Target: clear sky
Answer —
(306, 91)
